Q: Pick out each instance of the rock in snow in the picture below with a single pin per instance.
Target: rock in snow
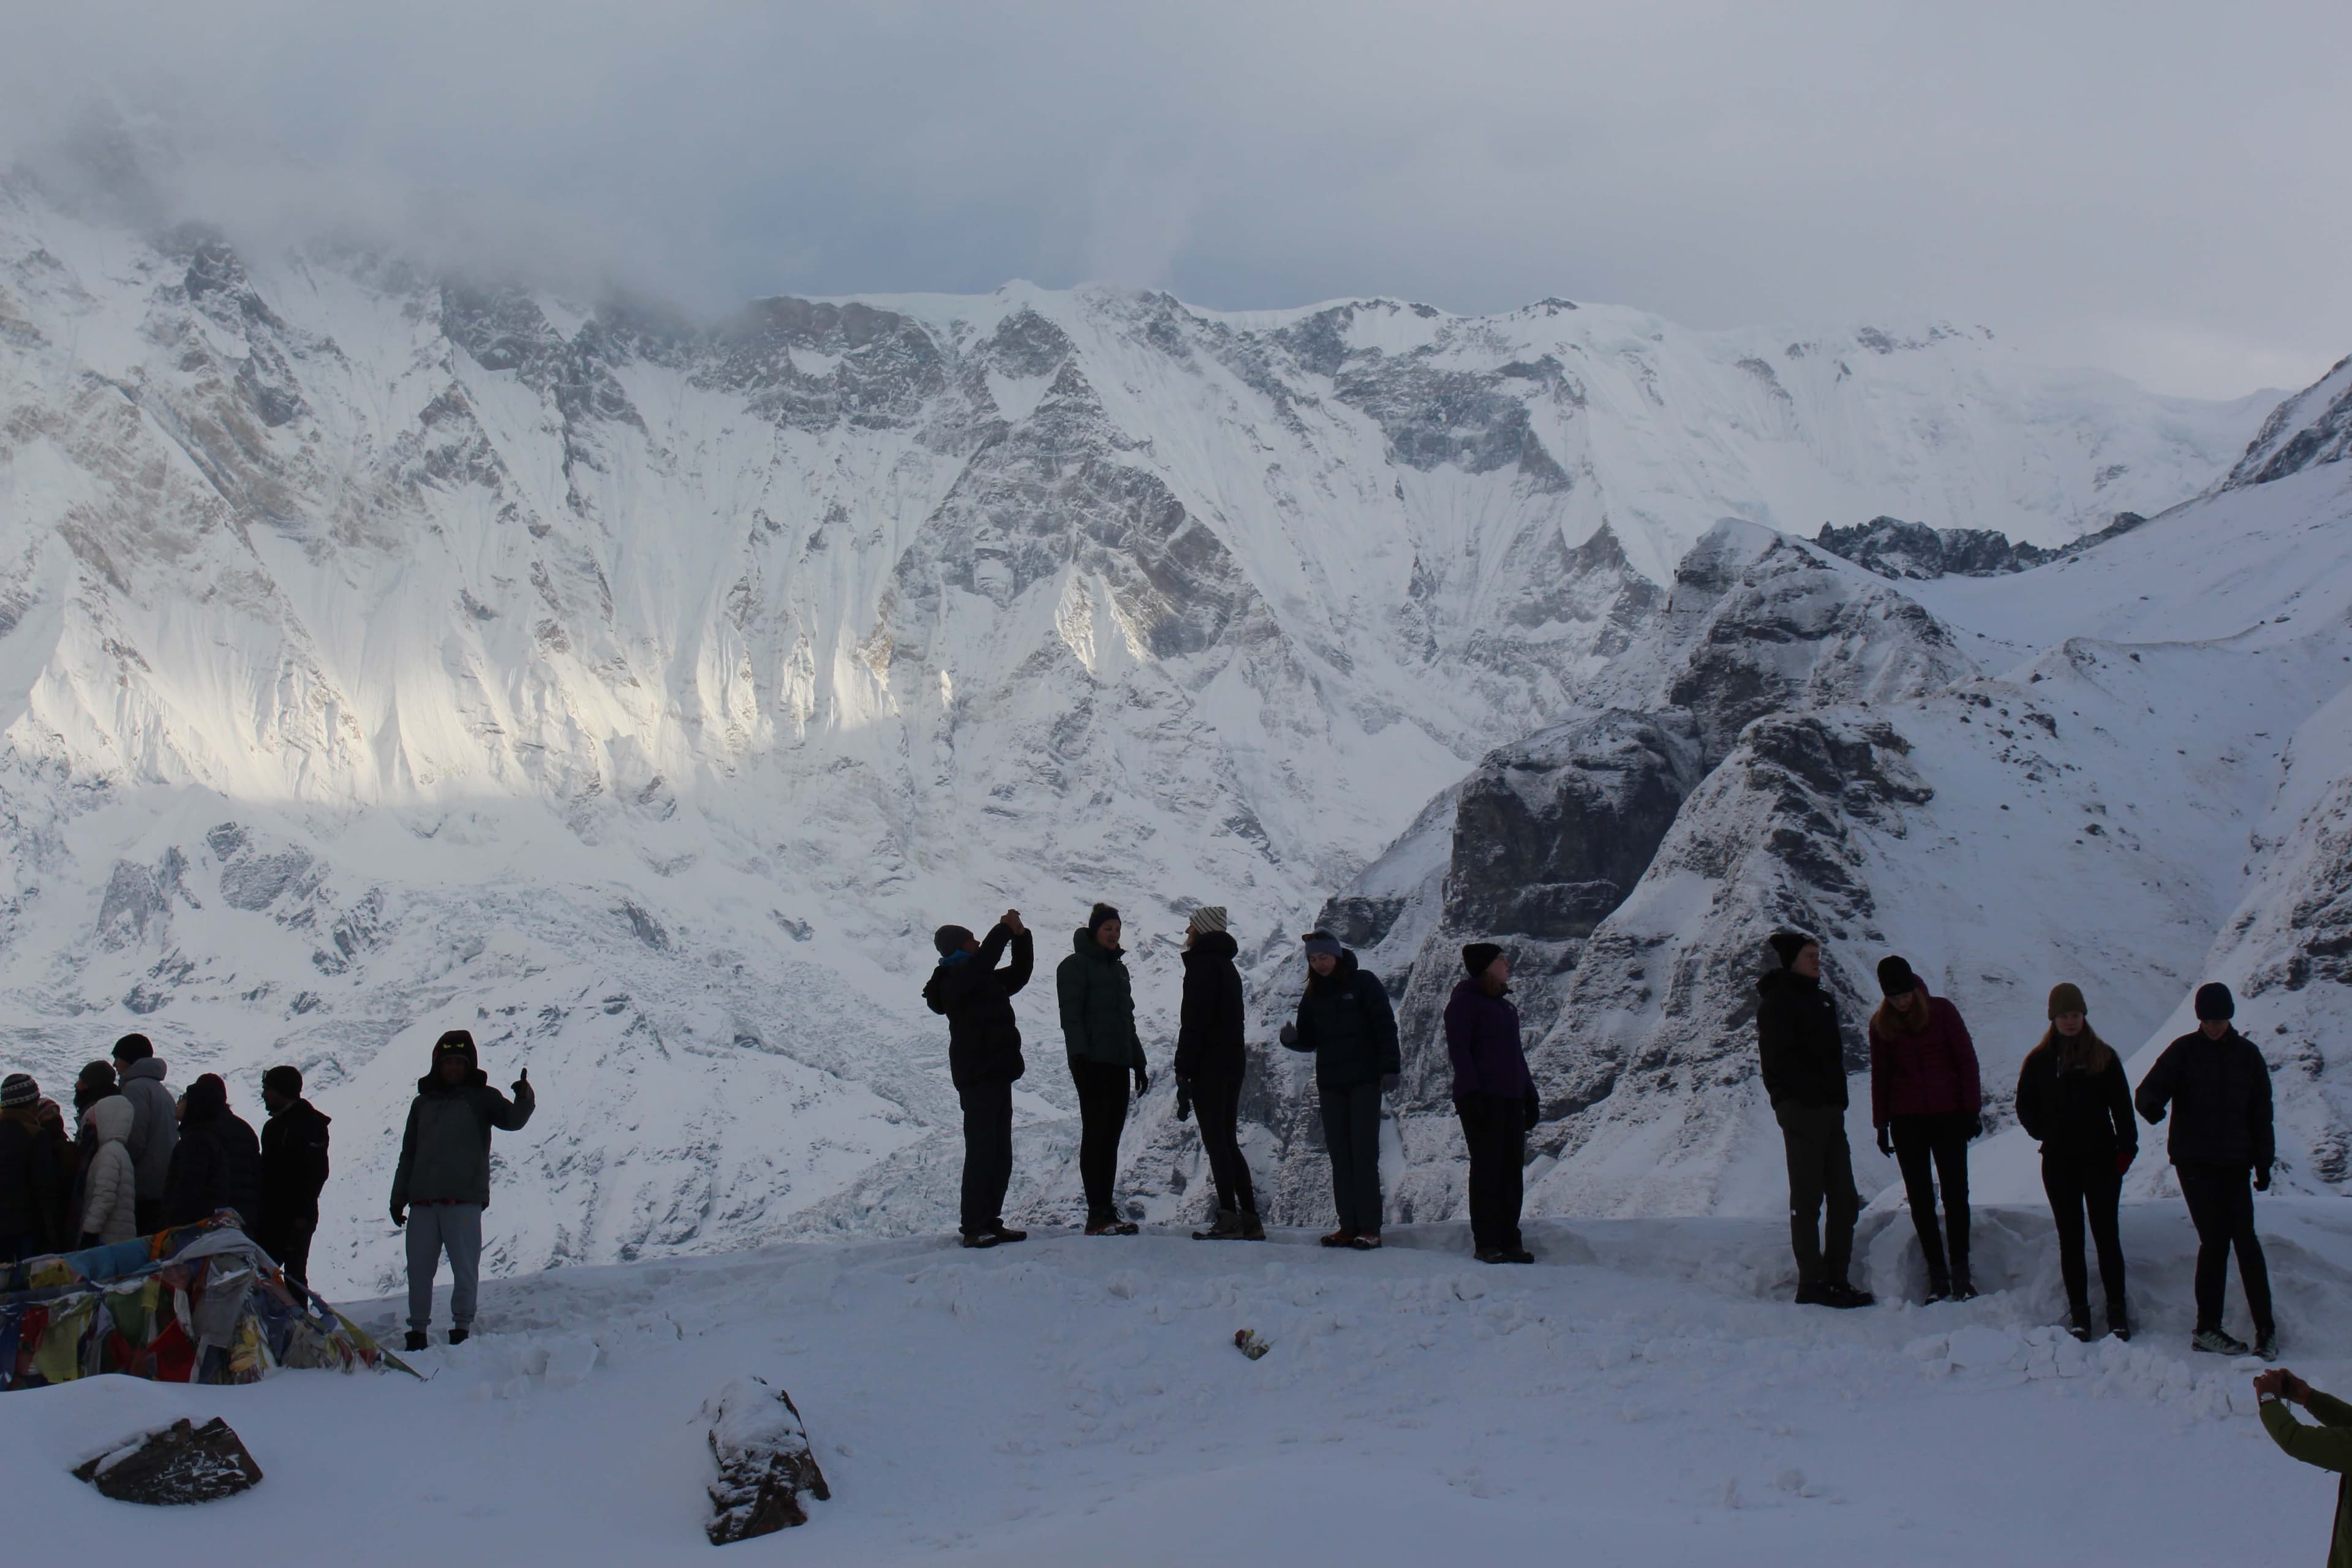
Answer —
(764, 1463)
(181, 1463)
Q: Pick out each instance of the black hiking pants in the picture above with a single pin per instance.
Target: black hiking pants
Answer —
(987, 1155)
(2079, 1185)
(1821, 1171)
(2222, 1207)
(1102, 1117)
(1940, 1140)
(1217, 1102)
(1351, 1131)
(1496, 1131)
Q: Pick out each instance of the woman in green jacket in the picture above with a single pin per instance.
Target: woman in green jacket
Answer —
(2327, 1445)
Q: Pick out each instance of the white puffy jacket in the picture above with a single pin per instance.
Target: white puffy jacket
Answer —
(109, 1209)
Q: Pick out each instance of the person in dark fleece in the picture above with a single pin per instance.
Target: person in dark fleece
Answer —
(28, 1194)
(1495, 1096)
(217, 1163)
(1345, 1018)
(2327, 1446)
(2218, 1089)
(1212, 1061)
(293, 1171)
(1099, 1031)
(155, 1127)
(1926, 1102)
(2072, 1097)
(445, 1171)
(1803, 1060)
(983, 1060)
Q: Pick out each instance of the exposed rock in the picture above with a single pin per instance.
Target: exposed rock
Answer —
(1893, 548)
(2314, 426)
(764, 1463)
(183, 1463)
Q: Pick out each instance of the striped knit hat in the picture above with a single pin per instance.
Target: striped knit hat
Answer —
(18, 1089)
(1208, 918)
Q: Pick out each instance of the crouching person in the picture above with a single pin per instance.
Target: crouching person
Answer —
(445, 1174)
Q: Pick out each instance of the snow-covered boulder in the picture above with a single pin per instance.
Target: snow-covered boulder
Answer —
(765, 1465)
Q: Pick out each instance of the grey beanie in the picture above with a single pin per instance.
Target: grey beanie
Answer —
(1323, 941)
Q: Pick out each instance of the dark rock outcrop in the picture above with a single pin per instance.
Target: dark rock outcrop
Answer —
(765, 1465)
(183, 1463)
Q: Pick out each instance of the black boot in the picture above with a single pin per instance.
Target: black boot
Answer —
(1939, 1288)
(1228, 1227)
(416, 1341)
(457, 1336)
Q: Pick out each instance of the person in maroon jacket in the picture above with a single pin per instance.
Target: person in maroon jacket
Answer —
(1496, 1097)
(1927, 1104)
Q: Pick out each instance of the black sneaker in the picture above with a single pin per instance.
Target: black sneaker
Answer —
(1937, 1291)
(1366, 1241)
(1228, 1227)
(416, 1341)
(2082, 1334)
(459, 1336)
(2119, 1331)
(980, 1238)
(1519, 1255)
(1005, 1234)
(1844, 1297)
(2266, 1344)
(1807, 1295)
(1962, 1290)
(1493, 1255)
(2217, 1341)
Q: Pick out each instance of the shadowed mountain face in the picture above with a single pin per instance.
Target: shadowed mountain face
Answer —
(382, 651)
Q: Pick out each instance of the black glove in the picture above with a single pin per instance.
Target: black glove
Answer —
(1183, 1101)
(1886, 1141)
(1534, 1112)
(1289, 1036)
(2263, 1180)
(399, 1215)
(1142, 1083)
(1388, 1083)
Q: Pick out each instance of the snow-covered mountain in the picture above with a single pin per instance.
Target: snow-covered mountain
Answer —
(382, 651)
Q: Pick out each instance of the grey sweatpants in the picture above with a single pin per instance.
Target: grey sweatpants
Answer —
(433, 1229)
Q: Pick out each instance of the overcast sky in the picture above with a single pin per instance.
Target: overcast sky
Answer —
(2159, 187)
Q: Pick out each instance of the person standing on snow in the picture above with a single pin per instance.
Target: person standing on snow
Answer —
(155, 1127)
(445, 1171)
(1802, 1056)
(293, 1172)
(29, 1174)
(983, 1060)
(217, 1163)
(110, 1188)
(2072, 1097)
(95, 1083)
(2219, 1089)
(1099, 1031)
(1345, 1019)
(1211, 1060)
(2327, 1446)
(1926, 1103)
(1495, 1096)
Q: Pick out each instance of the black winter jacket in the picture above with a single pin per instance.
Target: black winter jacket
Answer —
(1097, 1005)
(2076, 1115)
(217, 1163)
(293, 1167)
(28, 1196)
(976, 998)
(1797, 1037)
(444, 1151)
(2220, 1094)
(1345, 1020)
(1209, 1028)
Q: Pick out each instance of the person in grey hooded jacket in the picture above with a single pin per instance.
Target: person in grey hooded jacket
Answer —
(445, 1173)
(155, 1125)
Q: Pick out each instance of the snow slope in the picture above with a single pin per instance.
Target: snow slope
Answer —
(382, 651)
(1640, 1392)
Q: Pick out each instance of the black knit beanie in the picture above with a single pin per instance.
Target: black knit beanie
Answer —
(1100, 913)
(133, 1048)
(1895, 977)
(1478, 955)
(2214, 1002)
(284, 1080)
(951, 939)
(1786, 944)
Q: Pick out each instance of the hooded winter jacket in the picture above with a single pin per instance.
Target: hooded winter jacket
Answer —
(1797, 1038)
(1927, 1071)
(293, 1167)
(1210, 1025)
(156, 1128)
(1345, 1020)
(1097, 1005)
(445, 1154)
(216, 1164)
(2084, 1115)
(2219, 1096)
(109, 1204)
(28, 1181)
(1482, 1038)
(976, 998)
(2327, 1446)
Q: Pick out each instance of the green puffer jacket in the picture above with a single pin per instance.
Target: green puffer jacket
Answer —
(1097, 1005)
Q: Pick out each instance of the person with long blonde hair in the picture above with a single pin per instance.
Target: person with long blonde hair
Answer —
(2072, 1097)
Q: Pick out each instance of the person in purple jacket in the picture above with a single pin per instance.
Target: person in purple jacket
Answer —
(1496, 1097)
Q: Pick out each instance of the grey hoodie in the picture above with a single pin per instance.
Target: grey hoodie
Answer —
(154, 1128)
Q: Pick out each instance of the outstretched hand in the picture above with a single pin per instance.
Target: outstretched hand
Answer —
(522, 1084)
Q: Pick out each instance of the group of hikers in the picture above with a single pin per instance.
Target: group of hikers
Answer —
(1926, 1102)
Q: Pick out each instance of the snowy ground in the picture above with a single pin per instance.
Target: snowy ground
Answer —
(1639, 1396)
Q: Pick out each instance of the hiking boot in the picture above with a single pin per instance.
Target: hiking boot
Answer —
(997, 1233)
(1365, 1241)
(2082, 1332)
(1491, 1255)
(1113, 1226)
(1939, 1288)
(2266, 1344)
(2120, 1330)
(1340, 1238)
(1809, 1294)
(1253, 1228)
(2217, 1341)
(980, 1238)
(1228, 1227)
(1844, 1297)
(1961, 1290)
(416, 1341)
(459, 1336)
(1519, 1255)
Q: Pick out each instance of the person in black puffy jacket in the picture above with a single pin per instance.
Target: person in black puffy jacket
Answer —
(2218, 1089)
(984, 1060)
(1803, 1055)
(1212, 1061)
(217, 1163)
(1345, 1018)
(2073, 1097)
